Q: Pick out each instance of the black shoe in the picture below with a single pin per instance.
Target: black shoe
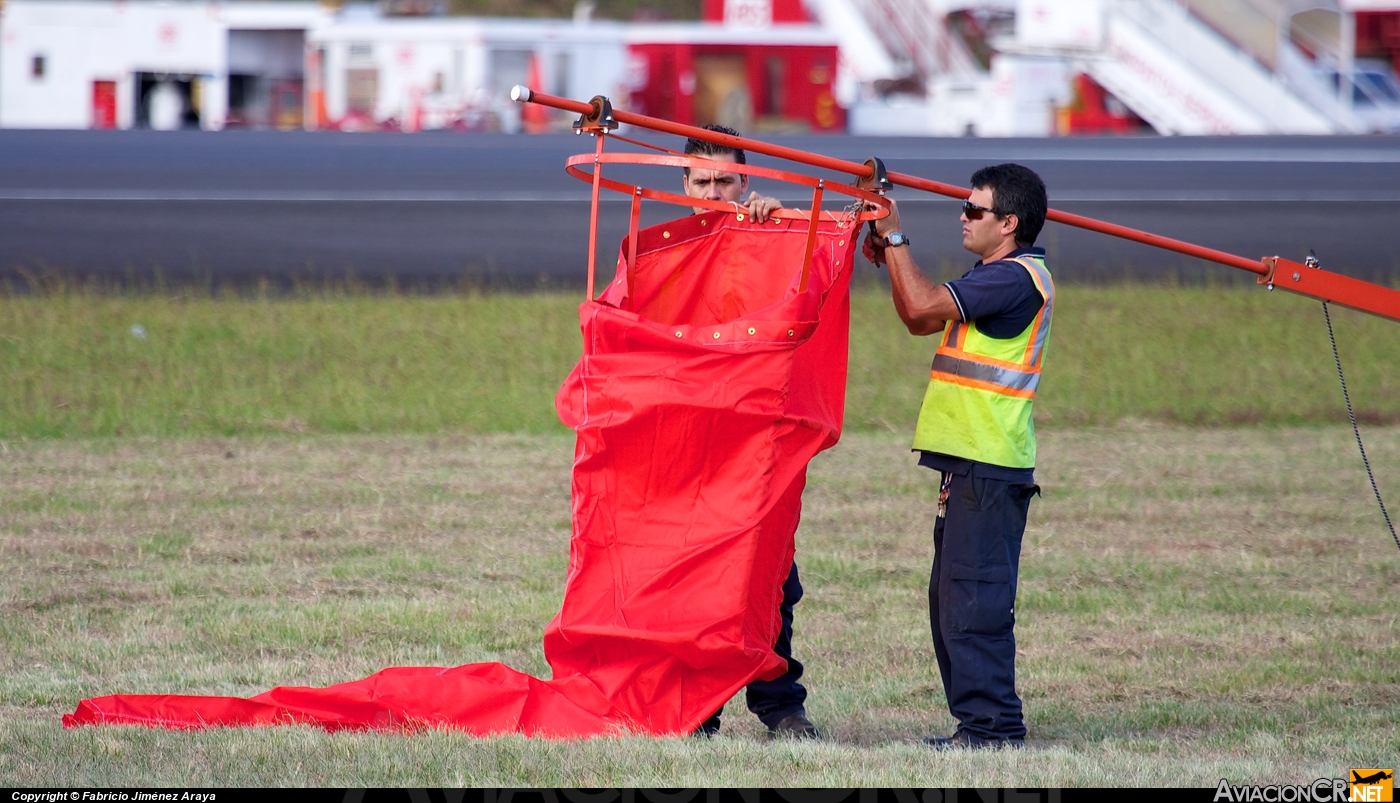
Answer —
(706, 729)
(794, 726)
(962, 740)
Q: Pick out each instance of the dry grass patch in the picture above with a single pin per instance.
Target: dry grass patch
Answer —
(1194, 604)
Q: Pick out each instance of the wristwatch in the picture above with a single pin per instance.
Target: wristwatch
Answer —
(895, 239)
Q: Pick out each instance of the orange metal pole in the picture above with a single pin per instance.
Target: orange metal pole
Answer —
(1320, 284)
(1112, 229)
(593, 221)
(523, 94)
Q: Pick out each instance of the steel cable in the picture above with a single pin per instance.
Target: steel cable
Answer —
(1351, 413)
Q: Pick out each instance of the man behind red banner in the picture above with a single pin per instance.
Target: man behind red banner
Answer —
(778, 703)
(975, 428)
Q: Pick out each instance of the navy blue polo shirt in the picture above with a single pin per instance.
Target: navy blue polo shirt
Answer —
(1003, 300)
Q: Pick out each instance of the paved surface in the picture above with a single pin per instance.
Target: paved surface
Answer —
(433, 208)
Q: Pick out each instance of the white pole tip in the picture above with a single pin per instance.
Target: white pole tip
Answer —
(520, 93)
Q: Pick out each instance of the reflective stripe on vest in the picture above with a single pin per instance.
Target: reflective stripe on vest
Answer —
(954, 364)
(1012, 381)
(980, 391)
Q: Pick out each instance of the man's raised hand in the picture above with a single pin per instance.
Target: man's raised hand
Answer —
(761, 208)
(873, 251)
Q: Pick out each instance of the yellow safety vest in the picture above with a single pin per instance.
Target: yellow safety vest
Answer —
(978, 402)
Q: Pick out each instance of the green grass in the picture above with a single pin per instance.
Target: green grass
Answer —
(1195, 604)
(306, 490)
(473, 363)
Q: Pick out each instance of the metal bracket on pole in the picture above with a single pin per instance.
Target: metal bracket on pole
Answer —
(598, 118)
(879, 182)
(1270, 267)
(879, 178)
(1308, 279)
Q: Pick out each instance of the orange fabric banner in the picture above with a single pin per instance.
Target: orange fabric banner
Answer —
(703, 391)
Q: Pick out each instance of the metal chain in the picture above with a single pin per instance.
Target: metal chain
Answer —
(849, 213)
(1351, 413)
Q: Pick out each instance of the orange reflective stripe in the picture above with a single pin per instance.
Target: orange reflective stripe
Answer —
(955, 334)
(977, 384)
(1035, 349)
(1013, 379)
(1029, 358)
(973, 356)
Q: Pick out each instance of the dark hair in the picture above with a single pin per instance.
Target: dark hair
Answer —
(699, 147)
(1016, 190)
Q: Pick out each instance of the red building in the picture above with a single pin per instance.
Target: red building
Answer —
(753, 65)
(1378, 36)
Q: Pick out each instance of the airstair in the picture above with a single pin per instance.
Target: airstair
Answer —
(1183, 77)
(1186, 67)
(864, 58)
(911, 36)
(915, 33)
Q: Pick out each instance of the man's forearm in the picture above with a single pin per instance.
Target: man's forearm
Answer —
(899, 304)
(924, 307)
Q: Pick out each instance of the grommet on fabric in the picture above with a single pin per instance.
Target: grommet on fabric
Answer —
(791, 332)
(678, 334)
(752, 330)
(716, 335)
(840, 242)
(704, 223)
(739, 216)
(666, 234)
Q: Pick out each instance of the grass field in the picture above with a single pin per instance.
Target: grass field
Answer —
(1195, 604)
(306, 491)
(468, 363)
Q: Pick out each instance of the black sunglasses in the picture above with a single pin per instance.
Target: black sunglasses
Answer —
(975, 212)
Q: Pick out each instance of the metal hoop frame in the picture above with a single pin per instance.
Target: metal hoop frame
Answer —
(870, 205)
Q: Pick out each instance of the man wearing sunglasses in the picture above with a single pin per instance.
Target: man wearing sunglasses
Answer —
(975, 428)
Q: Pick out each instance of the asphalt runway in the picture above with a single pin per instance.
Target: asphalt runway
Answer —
(237, 207)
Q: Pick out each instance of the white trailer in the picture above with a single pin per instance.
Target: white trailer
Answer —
(443, 72)
(95, 64)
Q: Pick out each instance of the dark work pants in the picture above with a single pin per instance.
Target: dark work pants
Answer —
(773, 700)
(971, 601)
